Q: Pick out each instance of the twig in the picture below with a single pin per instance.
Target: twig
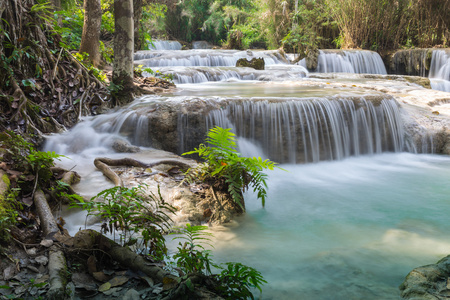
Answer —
(57, 61)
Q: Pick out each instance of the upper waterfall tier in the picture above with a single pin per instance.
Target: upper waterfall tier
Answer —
(440, 70)
(204, 58)
(164, 45)
(286, 130)
(349, 61)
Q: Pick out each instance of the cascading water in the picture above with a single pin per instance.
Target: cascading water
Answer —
(164, 45)
(440, 70)
(312, 130)
(205, 58)
(183, 75)
(349, 61)
(351, 228)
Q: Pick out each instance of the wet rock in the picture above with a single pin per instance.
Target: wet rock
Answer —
(428, 282)
(415, 62)
(123, 146)
(201, 45)
(312, 59)
(255, 63)
(422, 81)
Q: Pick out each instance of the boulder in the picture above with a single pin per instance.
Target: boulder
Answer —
(255, 63)
(427, 282)
(312, 59)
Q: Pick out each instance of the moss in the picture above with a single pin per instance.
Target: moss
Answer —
(6, 180)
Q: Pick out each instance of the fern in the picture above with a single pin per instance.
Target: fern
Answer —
(223, 161)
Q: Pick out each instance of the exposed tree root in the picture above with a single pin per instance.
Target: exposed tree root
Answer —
(103, 163)
(57, 262)
(48, 223)
(90, 239)
(43, 87)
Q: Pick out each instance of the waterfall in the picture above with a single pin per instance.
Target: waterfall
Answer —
(205, 58)
(164, 45)
(440, 70)
(206, 74)
(312, 130)
(349, 61)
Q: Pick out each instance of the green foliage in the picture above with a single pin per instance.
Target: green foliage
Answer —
(139, 70)
(9, 208)
(223, 161)
(40, 163)
(27, 166)
(237, 280)
(192, 257)
(152, 23)
(84, 59)
(70, 27)
(114, 89)
(131, 211)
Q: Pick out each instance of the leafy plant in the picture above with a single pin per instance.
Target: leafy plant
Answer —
(139, 71)
(192, 257)
(222, 161)
(237, 280)
(132, 211)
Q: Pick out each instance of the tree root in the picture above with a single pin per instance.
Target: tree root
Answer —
(103, 164)
(57, 262)
(48, 223)
(90, 239)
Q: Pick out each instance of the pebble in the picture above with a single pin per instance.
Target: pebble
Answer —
(42, 260)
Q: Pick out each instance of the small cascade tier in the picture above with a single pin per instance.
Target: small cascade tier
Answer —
(204, 58)
(313, 130)
(183, 75)
(440, 70)
(164, 45)
(349, 61)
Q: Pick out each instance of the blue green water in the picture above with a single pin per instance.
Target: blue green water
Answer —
(349, 229)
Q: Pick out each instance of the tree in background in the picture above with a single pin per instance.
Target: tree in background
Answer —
(90, 39)
(123, 51)
(429, 23)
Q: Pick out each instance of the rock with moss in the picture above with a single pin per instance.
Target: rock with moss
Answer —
(255, 63)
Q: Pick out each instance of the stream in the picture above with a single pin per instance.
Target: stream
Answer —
(343, 226)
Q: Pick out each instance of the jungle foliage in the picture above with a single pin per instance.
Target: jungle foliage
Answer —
(298, 25)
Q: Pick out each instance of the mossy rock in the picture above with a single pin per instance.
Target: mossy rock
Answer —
(255, 63)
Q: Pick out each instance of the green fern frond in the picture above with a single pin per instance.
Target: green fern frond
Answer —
(223, 160)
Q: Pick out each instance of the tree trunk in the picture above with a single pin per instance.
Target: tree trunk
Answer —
(123, 51)
(90, 39)
(137, 7)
